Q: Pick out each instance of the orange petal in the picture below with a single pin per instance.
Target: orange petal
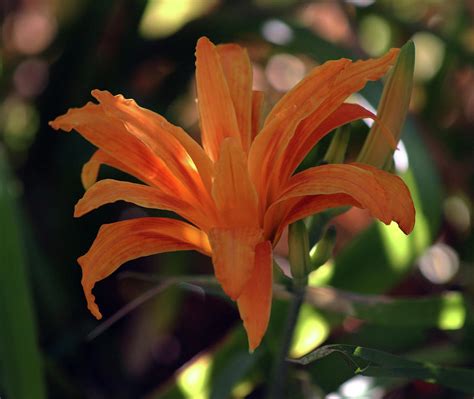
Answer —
(293, 209)
(107, 191)
(356, 182)
(216, 109)
(90, 170)
(319, 81)
(233, 253)
(120, 242)
(233, 192)
(385, 196)
(111, 135)
(400, 202)
(317, 96)
(280, 125)
(311, 131)
(256, 300)
(238, 73)
(352, 79)
(183, 156)
(257, 104)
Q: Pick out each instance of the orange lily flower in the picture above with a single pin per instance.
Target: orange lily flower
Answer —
(238, 191)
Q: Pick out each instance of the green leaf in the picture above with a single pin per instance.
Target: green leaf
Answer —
(447, 311)
(20, 361)
(298, 252)
(218, 371)
(392, 110)
(231, 365)
(375, 363)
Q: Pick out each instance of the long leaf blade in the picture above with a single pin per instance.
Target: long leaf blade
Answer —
(21, 374)
(375, 363)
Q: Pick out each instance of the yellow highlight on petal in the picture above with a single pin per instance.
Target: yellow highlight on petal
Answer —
(311, 331)
(193, 381)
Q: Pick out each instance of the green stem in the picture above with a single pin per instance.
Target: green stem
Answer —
(279, 378)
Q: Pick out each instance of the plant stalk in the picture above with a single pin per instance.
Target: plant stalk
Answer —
(280, 371)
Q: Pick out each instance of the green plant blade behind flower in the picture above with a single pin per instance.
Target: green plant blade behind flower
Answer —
(392, 109)
(298, 252)
(336, 152)
(21, 374)
(375, 363)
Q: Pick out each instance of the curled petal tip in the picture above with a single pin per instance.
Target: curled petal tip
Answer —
(96, 92)
(90, 298)
(56, 123)
(254, 343)
(77, 210)
(203, 40)
(407, 228)
(102, 95)
(87, 288)
(94, 309)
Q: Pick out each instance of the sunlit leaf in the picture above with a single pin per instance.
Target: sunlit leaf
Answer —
(372, 362)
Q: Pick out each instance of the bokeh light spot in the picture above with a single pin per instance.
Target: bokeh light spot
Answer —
(194, 379)
(283, 71)
(429, 55)
(31, 31)
(328, 20)
(361, 3)
(408, 11)
(452, 314)
(457, 213)
(31, 77)
(439, 263)
(19, 122)
(357, 387)
(375, 35)
(164, 17)
(400, 158)
(311, 331)
(276, 31)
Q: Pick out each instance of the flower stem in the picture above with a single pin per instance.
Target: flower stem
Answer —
(279, 378)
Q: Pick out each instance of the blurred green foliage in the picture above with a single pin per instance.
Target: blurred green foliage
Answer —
(409, 296)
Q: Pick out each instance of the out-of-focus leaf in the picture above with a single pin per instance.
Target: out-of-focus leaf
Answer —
(232, 363)
(218, 371)
(375, 363)
(21, 374)
(448, 311)
(311, 330)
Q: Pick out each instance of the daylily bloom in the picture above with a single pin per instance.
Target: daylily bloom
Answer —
(238, 191)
